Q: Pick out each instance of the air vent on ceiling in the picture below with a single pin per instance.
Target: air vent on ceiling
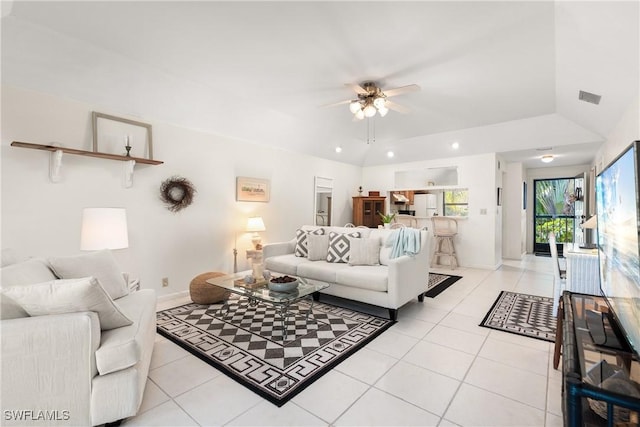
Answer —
(589, 97)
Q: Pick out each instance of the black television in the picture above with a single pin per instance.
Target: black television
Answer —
(618, 213)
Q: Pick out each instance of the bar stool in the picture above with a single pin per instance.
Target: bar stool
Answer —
(444, 230)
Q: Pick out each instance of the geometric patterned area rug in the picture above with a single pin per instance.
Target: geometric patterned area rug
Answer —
(522, 314)
(246, 342)
(438, 283)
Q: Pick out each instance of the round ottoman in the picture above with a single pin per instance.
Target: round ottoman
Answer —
(204, 293)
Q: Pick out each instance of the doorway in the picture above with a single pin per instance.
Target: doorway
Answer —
(554, 211)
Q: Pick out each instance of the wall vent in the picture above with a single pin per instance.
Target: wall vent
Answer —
(589, 97)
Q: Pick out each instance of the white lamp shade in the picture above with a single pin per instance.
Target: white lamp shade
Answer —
(355, 106)
(104, 228)
(255, 223)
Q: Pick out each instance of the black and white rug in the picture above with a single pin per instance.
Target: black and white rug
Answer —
(438, 283)
(246, 343)
(522, 314)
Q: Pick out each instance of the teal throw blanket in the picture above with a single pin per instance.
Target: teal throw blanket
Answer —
(404, 241)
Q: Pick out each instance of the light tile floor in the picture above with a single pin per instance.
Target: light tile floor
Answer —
(434, 367)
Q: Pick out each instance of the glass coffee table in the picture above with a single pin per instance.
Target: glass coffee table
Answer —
(260, 294)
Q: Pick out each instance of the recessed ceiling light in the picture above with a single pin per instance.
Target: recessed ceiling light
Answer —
(390, 154)
(338, 149)
(547, 158)
(455, 145)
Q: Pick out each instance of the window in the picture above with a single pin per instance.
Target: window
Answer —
(456, 203)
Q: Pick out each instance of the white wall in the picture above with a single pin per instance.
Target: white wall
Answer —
(40, 218)
(514, 225)
(627, 131)
(476, 240)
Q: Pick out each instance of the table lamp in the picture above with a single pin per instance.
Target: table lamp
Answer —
(255, 224)
(104, 228)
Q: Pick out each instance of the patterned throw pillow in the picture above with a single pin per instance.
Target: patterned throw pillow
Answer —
(339, 246)
(302, 242)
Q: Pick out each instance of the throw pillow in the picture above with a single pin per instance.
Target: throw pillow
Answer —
(318, 246)
(101, 264)
(34, 270)
(69, 296)
(302, 243)
(339, 246)
(364, 251)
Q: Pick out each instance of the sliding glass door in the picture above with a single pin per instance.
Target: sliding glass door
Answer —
(554, 211)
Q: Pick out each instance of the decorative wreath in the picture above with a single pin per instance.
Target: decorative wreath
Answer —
(177, 193)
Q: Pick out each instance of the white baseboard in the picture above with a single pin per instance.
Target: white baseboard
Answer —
(175, 295)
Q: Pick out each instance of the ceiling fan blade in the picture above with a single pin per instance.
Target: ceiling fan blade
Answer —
(336, 104)
(400, 90)
(397, 107)
(357, 88)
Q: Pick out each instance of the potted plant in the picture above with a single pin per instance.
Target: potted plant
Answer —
(386, 219)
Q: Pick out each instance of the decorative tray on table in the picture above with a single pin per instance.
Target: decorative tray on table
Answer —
(255, 285)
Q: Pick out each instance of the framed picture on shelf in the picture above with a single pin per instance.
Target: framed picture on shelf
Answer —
(252, 189)
(125, 137)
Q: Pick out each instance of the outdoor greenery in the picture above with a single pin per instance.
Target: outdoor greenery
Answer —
(562, 227)
(554, 197)
(554, 210)
(456, 203)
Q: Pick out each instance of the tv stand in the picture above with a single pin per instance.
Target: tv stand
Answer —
(587, 365)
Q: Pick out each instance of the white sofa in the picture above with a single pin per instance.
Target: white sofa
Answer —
(391, 284)
(62, 369)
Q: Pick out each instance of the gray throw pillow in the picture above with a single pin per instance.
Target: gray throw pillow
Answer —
(302, 242)
(365, 251)
(339, 246)
(100, 264)
(69, 296)
(318, 246)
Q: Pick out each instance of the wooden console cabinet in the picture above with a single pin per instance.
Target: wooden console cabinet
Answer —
(365, 211)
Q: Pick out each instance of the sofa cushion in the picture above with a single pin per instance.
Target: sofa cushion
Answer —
(28, 272)
(100, 264)
(285, 264)
(302, 242)
(370, 277)
(122, 347)
(321, 270)
(364, 251)
(339, 246)
(385, 255)
(11, 256)
(69, 296)
(318, 247)
(385, 251)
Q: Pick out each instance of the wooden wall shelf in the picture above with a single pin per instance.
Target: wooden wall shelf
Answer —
(84, 153)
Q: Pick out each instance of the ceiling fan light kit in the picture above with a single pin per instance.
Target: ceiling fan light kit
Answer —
(372, 100)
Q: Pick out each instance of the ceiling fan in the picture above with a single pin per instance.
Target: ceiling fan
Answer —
(371, 99)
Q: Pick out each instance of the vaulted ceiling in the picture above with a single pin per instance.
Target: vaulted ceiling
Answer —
(495, 76)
